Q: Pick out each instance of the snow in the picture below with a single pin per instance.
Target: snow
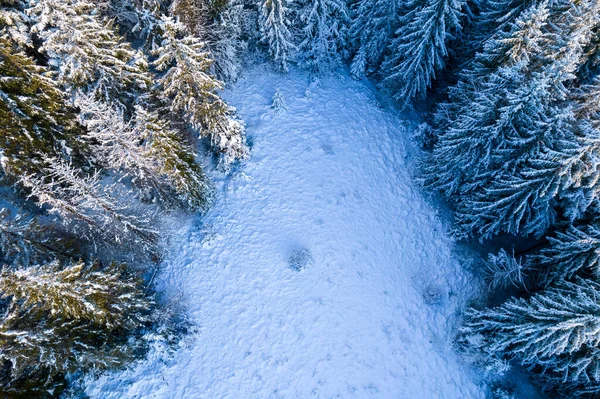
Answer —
(371, 314)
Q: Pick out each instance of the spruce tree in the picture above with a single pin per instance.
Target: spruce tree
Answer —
(324, 37)
(87, 207)
(146, 152)
(14, 23)
(274, 27)
(64, 319)
(173, 159)
(218, 25)
(519, 156)
(24, 241)
(373, 25)
(555, 333)
(34, 114)
(87, 51)
(192, 92)
(419, 48)
(573, 251)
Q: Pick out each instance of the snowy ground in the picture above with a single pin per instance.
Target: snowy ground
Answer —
(375, 313)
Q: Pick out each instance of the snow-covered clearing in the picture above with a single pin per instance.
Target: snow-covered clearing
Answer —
(372, 317)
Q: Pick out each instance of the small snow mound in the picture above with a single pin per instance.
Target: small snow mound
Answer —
(433, 295)
(301, 259)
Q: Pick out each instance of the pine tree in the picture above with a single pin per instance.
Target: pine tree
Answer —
(554, 333)
(191, 91)
(373, 25)
(274, 26)
(417, 53)
(60, 320)
(34, 115)
(324, 36)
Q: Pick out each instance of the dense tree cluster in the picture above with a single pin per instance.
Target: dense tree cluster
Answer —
(100, 133)
(103, 106)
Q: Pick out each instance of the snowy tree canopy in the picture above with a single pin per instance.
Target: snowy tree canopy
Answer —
(191, 90)
(420, 45)
(274, 26)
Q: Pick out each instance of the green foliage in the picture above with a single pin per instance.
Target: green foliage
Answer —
(34, 114)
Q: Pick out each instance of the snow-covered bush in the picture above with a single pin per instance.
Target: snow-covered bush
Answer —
(301, 259)
(278, 104)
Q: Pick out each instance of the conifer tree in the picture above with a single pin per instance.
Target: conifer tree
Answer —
(173, 159)
(420, 45)
(24, 241)
(87, 51)
(555, 333)
(218, 25)
(373, 25)
(192, 92)
(274, 26)
(14, 23)
(62, 319)
(140, 150)
(34, 115)
(523, 159)
(324, 37)
(573, 251)
(86, 206)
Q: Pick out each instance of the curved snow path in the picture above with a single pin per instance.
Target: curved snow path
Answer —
(375, 314)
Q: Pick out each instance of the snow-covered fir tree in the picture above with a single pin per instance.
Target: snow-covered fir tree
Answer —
(278, 104)
(553, 333)
(87, 51)
(14, 22)
(574, 250)
(506, 271)
(173, 159)
(372, 28)
(192, 92)
(60, 319)
(419, 48)
(275, 31)
(219, 25)
(146, 151)
(517, 151)
(24, 241)
(86, 206)
(323, 33)
(34, 114)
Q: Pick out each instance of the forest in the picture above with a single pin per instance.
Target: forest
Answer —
(110, 111)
